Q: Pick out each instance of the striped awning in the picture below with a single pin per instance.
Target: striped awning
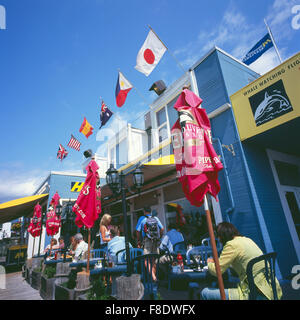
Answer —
(22, 207)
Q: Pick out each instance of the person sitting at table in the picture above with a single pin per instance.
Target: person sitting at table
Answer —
(52, 246)
(81, 247)
(73, 245)
(61, 242)
(172, 236)
(237, 252)
(116, 244)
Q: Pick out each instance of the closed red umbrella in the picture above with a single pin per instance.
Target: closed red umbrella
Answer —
(88, 204)
(197, 163)
(35, 225)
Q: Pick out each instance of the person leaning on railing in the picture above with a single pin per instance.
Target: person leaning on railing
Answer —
(237, 252)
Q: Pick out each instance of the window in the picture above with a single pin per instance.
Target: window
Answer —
(121, 154)
(172, 113)
(193, 227)
(161, 117)
(162, 126)
(288, 173)
(112, 155)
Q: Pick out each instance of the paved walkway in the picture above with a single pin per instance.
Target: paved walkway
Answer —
(18, 289)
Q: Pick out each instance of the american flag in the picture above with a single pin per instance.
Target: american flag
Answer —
(74, 143)
(61, 153)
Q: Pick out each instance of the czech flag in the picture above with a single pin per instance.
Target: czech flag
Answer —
(122, 89)
(86, 128)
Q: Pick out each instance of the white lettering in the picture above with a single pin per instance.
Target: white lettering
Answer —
(296, 19)
(296, 278)
(2, 18)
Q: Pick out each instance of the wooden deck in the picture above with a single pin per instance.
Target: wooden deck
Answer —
(18, 289)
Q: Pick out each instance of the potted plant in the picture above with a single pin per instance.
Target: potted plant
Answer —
(47, 282)
(36, 278)
(97, 292)
(64, 287)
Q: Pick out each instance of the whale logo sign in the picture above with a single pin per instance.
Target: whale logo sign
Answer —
(2, 18)
(270, 103)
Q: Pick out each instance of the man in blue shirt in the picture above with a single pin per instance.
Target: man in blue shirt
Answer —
(173, 236)
(116, 244)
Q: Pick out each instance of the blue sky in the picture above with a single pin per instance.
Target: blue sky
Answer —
(58, 57)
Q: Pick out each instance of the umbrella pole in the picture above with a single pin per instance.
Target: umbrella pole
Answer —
(33, 247)
(214, 249)
(89, 248)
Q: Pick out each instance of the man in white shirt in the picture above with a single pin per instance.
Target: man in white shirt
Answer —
(81, 248)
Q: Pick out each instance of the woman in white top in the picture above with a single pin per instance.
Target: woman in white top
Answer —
(104, 231)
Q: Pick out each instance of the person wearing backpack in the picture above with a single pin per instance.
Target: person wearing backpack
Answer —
(149, 231)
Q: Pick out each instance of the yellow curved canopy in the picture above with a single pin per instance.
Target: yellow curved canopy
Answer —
(161, 161)
(21, 207)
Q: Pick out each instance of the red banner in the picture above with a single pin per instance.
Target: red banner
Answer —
(197, 163)
(35, 224)
(88, 204)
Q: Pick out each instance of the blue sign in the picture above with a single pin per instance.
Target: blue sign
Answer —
(261, 47)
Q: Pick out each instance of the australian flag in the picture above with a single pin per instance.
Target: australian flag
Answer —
(261, 47)
(105, 114)
(61, 153)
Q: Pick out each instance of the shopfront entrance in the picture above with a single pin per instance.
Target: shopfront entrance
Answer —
(286, 171)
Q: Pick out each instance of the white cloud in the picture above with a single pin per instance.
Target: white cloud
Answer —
(19, 183)
(266, 62)
(236, 34)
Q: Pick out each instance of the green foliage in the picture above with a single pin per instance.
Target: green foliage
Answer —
(71, 283)
(98, 291)
(49, 271)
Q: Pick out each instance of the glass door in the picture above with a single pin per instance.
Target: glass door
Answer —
(292, 197)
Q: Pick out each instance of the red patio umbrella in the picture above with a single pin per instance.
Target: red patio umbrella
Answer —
(88, 204)
(197, 163)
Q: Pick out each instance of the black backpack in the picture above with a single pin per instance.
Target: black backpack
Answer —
(151, 228)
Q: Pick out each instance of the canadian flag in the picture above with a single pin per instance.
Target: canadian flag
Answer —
(150, 54)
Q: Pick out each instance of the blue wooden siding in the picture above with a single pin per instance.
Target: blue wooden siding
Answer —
(244, 216)
(210, 83)
(235, 75)
(270, 203)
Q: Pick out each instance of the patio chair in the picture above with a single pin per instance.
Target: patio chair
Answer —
(269, 271)
(180, 247)
(197, 256)
(143, 266)
(134, 252)
(206, 242)
(98, 253)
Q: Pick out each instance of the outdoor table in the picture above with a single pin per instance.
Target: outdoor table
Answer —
(189, 275)
(53, 261)
(83, 263)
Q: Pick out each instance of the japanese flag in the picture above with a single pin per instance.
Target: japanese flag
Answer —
(150, 54)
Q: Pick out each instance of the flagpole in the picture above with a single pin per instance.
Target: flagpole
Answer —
(171, 53)
(272, 38)
(89, 248)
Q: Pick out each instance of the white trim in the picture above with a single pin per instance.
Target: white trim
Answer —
(219, 110)
(66, 173)
(275, 155)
